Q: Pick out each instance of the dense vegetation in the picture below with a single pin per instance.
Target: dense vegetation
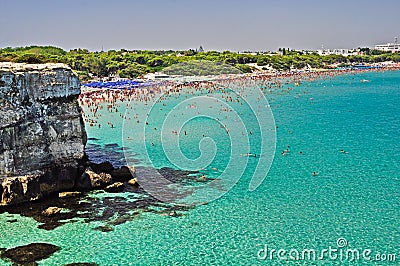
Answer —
(200, 68)
(131, 64)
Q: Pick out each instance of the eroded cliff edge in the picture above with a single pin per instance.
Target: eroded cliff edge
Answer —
(42, 134)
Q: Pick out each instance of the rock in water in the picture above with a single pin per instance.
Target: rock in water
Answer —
(124, 173)
(104, 229)
(91, 180)
(133, 182)
(63, 195)
(115, 188)
(29, 254)
(104, 167)
(42, 135)
(50, 211)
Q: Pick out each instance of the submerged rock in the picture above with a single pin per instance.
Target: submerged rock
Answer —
(63, 195)
(51, 211)
(29, 254)
(105, 228)
(203, 178)
(173, 214)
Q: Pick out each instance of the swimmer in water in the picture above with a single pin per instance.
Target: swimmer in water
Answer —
(249, 155)
(203, 178)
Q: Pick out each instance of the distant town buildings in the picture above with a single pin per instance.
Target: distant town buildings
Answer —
(156, 75)
(343, 52)
(389, 47)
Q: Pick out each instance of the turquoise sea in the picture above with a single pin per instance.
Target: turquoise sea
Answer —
(345, 130)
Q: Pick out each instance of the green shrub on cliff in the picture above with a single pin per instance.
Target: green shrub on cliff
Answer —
(31, 59)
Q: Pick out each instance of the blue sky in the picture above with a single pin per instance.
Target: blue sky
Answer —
(183, 24)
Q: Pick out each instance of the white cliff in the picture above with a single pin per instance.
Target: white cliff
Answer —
(42, 135)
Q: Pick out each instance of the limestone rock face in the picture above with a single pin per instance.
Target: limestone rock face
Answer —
(42, 134)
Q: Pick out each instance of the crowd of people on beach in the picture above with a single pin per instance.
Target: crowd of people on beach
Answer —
(96, 99)
(95, 96)
(112, 100)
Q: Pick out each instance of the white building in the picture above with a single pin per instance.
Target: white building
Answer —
(156, 75)
(343, 52)
(389, 47)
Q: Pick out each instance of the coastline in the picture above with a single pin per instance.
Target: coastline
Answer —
(116, 203)
(268, 78)
(267, 81)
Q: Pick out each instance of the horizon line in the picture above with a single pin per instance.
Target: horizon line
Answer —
(187, 49)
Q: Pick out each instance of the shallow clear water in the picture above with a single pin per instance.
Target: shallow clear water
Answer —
(355, 195)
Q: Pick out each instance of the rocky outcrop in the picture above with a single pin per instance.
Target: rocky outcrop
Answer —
(51, 211)
(42, 135)
(92, 180)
